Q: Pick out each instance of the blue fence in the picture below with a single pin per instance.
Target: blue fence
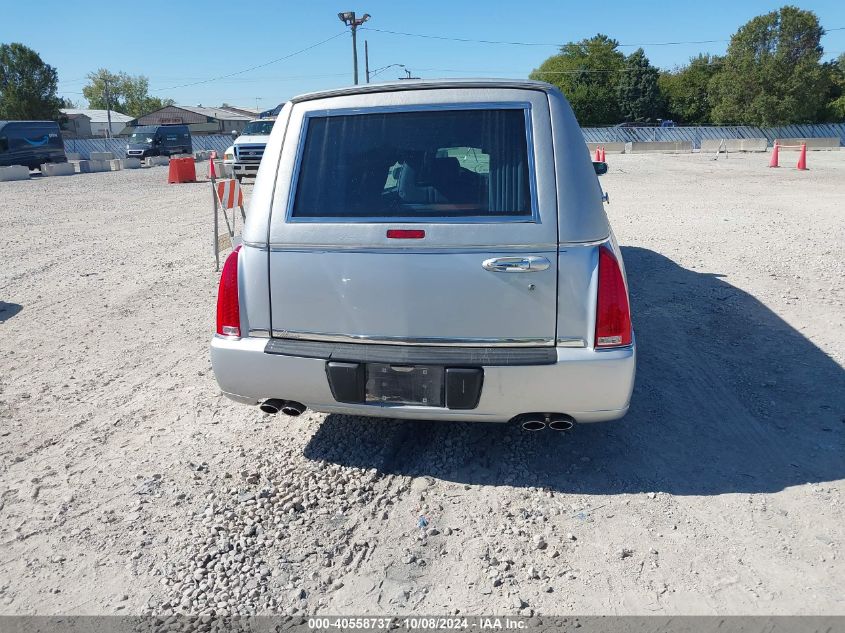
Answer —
(117, 146)
(697, 133)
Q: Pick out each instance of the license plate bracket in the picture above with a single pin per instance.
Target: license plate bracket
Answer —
(405, 384)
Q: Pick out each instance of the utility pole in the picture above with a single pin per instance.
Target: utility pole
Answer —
(349, 19)
(108, 107)
(367, 61)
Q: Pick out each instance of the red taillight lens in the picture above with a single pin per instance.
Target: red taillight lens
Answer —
(613, 316)
(228, 311)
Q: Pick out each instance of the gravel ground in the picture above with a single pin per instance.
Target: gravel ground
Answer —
(129, 485)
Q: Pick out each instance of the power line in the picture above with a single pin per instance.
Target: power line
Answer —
(250, 69)
(476, 41)
(509, 43)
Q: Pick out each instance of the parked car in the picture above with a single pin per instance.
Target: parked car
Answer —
(249, 147)
(433, 250)
(31, 143)
(159, 140)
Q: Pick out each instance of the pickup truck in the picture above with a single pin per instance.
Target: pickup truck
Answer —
(428, 250)
(249, 147)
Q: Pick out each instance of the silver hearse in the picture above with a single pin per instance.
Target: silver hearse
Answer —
(432, 250)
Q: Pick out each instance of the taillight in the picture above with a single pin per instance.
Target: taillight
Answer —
(613, 316)
(228, 311)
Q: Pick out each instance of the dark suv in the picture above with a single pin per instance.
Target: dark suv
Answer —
(159, 140)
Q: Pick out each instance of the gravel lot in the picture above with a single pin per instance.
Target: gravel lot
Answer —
(129, 485)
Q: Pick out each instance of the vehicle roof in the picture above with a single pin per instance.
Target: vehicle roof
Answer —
(427, 84)
(2, 123)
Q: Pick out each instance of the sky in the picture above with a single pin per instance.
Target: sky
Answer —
(264, 53)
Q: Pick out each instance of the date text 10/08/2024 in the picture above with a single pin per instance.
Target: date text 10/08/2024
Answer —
(417, 623)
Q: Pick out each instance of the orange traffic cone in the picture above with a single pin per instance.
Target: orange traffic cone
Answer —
(774, 161)
(802, 158)
(602, 154)
(598, 156)
(212, 174)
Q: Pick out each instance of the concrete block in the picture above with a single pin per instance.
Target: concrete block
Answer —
(665, 147)
(57, 169)
(711, 145)
(827, 144)
(610, 148)
(153, 161)
(115, 164)
(73, 155)
(91, 166)
(130, 163)
(15, 172)
(202, 155)
(101, 156)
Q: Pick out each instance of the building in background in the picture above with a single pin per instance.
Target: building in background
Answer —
(199, 119)
(75, 125)
(98, 121)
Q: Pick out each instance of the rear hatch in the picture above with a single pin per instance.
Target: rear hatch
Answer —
(429, 221)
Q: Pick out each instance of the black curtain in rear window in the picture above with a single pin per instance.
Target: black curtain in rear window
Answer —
(425, 164)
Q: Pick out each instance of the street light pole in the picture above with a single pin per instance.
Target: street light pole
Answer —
(349, 19)
(366, 61)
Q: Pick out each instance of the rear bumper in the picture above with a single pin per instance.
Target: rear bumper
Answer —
(591, 386)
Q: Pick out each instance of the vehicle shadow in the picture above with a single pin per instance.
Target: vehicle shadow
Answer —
(8, 310)
(728, 398)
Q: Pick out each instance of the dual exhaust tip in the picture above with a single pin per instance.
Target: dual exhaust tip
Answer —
(528, 421)
(540, 421)
(288, 407)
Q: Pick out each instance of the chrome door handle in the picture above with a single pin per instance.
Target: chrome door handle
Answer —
(525, 264)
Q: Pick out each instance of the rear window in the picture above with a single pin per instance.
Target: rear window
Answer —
(426, 164)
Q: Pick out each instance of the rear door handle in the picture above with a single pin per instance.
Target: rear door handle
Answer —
(524, 264)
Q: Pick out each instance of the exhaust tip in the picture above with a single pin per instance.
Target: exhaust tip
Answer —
(562, 424)
(293, 409)
(272, 406)
(533, 425)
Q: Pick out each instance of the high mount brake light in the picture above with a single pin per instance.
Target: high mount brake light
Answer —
(405, 234)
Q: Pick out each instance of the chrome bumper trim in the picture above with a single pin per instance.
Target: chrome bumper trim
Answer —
(401, 340)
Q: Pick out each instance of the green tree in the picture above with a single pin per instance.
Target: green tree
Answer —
(835, 109)
(587, 72)
(127, 94)
(27, 84)
(639, 94)
(771, 74)
(686, 90)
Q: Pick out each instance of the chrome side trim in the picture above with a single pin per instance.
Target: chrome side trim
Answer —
(416, 248)
(401, 340)
(571, 342)
(259, 333)
(370, 248)
(598, 242)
